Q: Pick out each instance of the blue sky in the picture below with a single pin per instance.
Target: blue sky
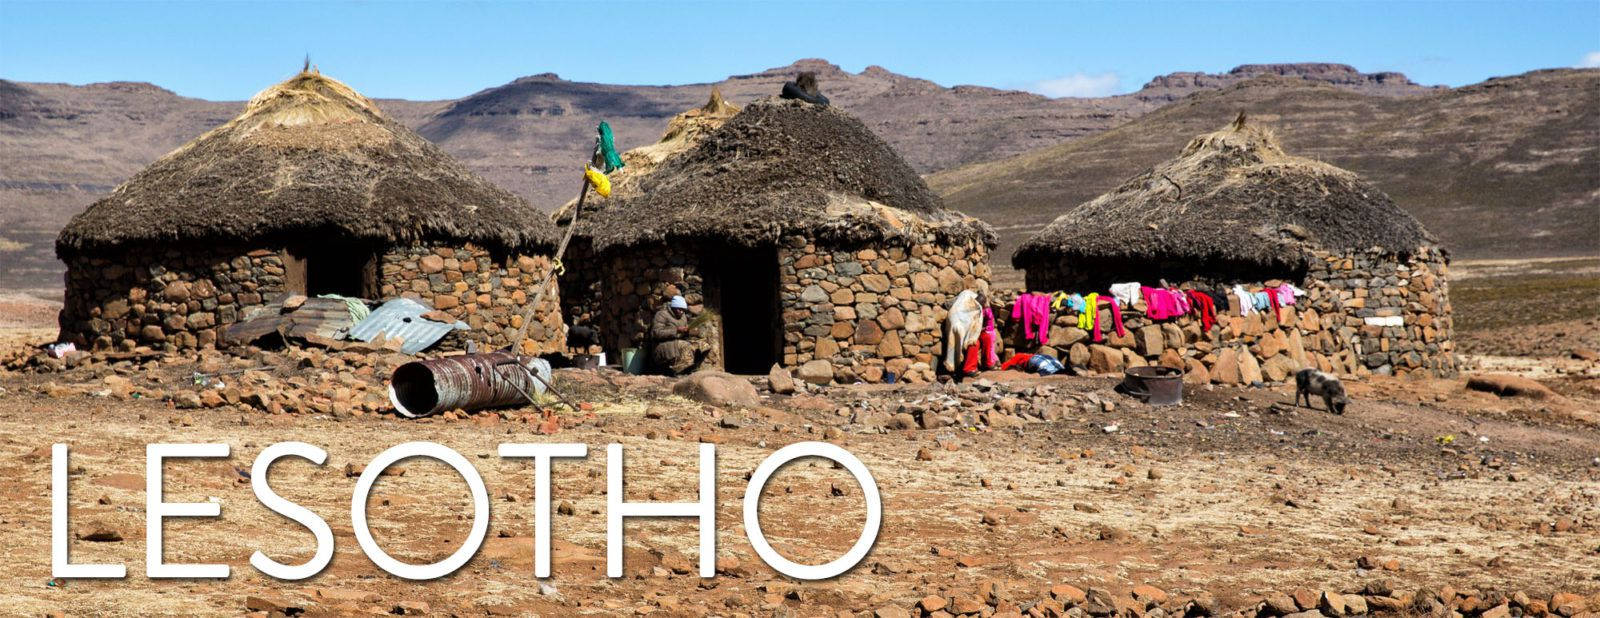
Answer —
(432, 51)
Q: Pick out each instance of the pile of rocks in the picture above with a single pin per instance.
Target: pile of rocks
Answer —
(294, 380)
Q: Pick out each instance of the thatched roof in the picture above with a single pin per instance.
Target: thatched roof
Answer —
(308, 157)
(783, 166)
(1231, 196)
(684, 131)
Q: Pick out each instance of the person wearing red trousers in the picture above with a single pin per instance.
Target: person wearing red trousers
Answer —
(982, 351)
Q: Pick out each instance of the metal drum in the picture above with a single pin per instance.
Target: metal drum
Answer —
(468, 382)
(1157, 386)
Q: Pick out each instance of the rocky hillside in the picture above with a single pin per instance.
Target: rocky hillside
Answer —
(1506, 168)
(63, 146)
(1174, 86)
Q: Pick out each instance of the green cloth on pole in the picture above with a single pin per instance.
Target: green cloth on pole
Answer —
(607, 149)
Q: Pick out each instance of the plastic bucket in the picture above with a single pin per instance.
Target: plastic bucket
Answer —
(632, 361)
(1157, 386)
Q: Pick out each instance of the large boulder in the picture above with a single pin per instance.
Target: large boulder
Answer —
(779, 379)
(1249, 368)
(818, 372)
(1226, 369)
(1105, 359)
(717, 388)
(1150, 340)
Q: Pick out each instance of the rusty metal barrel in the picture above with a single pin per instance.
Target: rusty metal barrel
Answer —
(1157, 386)
(468, 382)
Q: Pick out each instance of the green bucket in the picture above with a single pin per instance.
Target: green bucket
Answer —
(632, 361)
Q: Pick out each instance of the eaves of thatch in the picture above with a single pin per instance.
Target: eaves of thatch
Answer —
(309, 158)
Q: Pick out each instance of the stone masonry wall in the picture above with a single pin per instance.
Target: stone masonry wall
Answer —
(848, 313)
(486, 291)
(1331, 328)
(855, 313)
(637, 281)
(170, 298)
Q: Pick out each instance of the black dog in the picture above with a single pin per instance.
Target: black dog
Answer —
(1308, 382)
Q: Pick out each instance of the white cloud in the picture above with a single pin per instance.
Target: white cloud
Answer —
(1590, 60)
(1079, 85)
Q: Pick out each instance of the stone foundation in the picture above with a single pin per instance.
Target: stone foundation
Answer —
(169, 299)
(177, 299)
(1342, 325)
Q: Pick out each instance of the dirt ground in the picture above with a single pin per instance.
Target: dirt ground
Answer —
(1423, 483)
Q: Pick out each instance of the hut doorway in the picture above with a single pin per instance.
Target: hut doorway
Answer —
(747, 300)
(346, 271)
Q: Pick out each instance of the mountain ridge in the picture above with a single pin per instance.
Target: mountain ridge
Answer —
(1502, 168)
(62, 146)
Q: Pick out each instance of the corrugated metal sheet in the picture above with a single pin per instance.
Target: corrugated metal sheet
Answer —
(402, 318)
(318, 316)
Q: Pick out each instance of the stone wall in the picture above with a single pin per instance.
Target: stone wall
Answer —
(863, 311)
(636, 281)
(170, 298)
(487, 291)
(847, 313)
(1344, 324)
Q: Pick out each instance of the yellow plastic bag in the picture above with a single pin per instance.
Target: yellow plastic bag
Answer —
(602, 184)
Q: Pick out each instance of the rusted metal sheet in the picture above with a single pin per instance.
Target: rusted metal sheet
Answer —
(468, 382)
(402, 318)
(325, 317)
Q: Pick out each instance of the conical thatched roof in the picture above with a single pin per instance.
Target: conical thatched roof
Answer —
(683, 132)
(307, 156)
(1231, 196)
(783, 166)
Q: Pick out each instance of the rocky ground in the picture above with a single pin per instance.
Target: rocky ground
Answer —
(1005, 495)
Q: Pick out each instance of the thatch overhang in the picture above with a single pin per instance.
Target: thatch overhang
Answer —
(310, 159)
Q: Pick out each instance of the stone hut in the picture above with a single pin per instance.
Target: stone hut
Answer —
(312, 190)
(1234, 209)
(582, 275)
(807, 239)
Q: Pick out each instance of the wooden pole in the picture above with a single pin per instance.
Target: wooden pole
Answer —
(538, 294)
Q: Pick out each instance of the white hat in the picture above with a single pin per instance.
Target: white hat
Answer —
(678, 302)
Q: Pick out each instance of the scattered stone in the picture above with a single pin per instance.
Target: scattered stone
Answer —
(99, 532)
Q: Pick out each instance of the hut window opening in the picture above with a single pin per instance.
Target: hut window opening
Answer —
(745, 292)
(345, 271)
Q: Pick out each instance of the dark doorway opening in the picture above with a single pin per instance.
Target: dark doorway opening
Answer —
(747, 300)
(346, 271)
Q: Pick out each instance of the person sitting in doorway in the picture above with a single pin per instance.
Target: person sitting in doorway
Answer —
(677, 350)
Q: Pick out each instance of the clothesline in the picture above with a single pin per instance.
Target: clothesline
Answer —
(1036, 310)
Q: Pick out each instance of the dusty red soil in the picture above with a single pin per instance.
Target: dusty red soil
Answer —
(1226, 494)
